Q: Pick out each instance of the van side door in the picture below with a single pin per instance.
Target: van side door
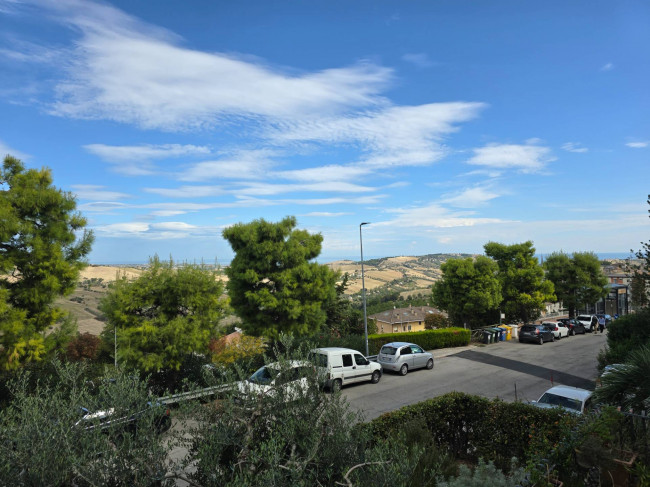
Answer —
(364, 369)
(348, 370)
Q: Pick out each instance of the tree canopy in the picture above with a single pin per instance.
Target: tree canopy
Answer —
(525, 291)
(271, 283)
(578, 279)
(43, 244)
(469, 291)
(163, 315)
(641, 275)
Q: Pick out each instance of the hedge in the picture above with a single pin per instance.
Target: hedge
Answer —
(472, 427)
(427, 339)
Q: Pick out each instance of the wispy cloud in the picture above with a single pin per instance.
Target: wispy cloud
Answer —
(187, 191)
(607, 67)
(435, 215)
(638, 144)
(94, 192)
(325, 214)
(574, 147)
(526, 158)
(421, 60)
(5, 150)
(470, 198)
(241, 164)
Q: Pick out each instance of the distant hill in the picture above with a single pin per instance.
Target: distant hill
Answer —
(404, 274)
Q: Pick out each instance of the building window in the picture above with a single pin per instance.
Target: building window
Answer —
(409, 327)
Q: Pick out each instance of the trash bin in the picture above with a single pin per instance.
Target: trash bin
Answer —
(506, 332)
(487, 336)
(515, 331)
(497, 334)
(502, 333)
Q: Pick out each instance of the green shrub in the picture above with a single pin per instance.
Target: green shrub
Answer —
(626, 334)
(428, 339)
(472, 427)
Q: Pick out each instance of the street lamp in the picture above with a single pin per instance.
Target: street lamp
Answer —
(363, 290)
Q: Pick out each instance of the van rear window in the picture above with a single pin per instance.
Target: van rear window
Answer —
(318, 359)
(388, 350)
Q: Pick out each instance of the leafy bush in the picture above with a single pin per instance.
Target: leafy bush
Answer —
(626, 334)
(84, 346)
(244, 348)
(485, 475)
(428, 339)
(473, 427)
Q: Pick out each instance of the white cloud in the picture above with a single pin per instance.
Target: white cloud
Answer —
(145, 152)
(326, 186)
(125, 70)
(187, 191)
(607, 67)
(332, 172)
(526, 158)
(5, 150)
(94, 192)
(638, 145)
(574, 147)
(421, 60)
(435, 216)
(470, 198)
(243, 164)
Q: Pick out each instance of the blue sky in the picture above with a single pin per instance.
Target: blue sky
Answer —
(446, 124)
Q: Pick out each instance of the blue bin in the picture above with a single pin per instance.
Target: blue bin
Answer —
(502, 334)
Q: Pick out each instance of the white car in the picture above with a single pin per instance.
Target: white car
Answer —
(341, 366)
(573, 399)
(559, 329)
(289, 381)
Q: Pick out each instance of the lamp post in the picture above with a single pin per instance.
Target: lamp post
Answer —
(363, 289)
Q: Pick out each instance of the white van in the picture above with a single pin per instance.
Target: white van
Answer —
(589, 321)
(342, 366)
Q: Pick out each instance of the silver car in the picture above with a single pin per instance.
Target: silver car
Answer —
(403, 356)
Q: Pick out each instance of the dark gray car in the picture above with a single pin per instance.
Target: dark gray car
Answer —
(403, 356)
(536, 334)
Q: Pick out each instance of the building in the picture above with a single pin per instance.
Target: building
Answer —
(398, 320)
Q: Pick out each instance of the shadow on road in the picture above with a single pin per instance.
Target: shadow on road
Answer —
(526, 368)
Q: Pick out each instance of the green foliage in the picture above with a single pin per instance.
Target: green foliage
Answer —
(578, 279)
(485, 475)
(84, 347)
(525, 291)
(472, 427)
(272, 285)
(427, 339)
(626, 334)
(641, 277)
(435, 320)
(243, 349)
(628, 385)
(42, 444)
(342, 317)
(163, 315)
(639, 291)
(469, 291)
(42, 254)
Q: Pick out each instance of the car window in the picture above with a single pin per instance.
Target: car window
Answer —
(360, 359)
(405, 351)
(386, 350)
(416, 349)
(565, 402)
(263, 375)
(318, 359)
(347, 360)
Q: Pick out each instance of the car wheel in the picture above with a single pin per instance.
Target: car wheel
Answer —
(375, 377)
(541, 340)
(430, 364)
(552, 338)
(572, 333)
(336, 385)
(403, 370)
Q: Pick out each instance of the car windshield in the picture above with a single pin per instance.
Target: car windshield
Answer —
(388, 350)
(565, 402)
(264, 375)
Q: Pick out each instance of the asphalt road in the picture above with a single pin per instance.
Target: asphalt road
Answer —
(508, 370)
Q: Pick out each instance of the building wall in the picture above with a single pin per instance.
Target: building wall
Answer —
(406, 326)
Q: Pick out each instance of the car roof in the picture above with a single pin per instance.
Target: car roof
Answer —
(399, 344)
(570, 392)
(335, 349)
(290, 363)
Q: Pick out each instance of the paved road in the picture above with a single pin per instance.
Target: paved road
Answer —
(509, 370)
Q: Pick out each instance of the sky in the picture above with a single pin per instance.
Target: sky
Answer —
(445, 124)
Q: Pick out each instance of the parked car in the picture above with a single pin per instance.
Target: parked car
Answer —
(574, 326)
(535, 333)
(109, 418)
(558, 328)
(403, 356)
(288, 381)
(341, 366)
(572, 399)
(590, 322)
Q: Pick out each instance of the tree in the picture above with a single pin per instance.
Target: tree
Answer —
(578, 279)
(433, 321)
(641, 276)
(525, 291)
(272, 285)
(163, 315)
(469, 291)
(43, 243)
